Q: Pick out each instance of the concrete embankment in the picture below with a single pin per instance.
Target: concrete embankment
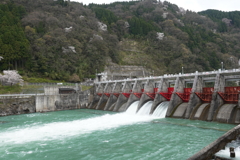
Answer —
(51, 100)
(19, 105)
(209, 151)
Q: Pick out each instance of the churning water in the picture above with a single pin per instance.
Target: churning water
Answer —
(225, 153)
(100, 135)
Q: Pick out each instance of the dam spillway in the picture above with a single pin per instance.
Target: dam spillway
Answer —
(187, 95)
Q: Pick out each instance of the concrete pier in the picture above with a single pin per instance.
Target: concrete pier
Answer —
(98, 92)
(194, 100)
(104, 96)
(175, 100)
(137, 86)
(162, 86)
(123, 97)
(114, 94)
(216, 100)
(148, 91)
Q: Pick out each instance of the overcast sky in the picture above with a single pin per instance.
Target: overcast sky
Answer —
(194, 5)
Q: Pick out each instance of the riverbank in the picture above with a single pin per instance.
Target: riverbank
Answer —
(51, 100)
(14, 106)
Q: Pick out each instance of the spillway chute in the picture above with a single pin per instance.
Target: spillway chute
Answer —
(161, 110)
(145, 109)
(132, 109)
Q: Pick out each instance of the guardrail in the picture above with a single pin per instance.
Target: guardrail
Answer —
(60, 84)
(2, 96)
(175, 75)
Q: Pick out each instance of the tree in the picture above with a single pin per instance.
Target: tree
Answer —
(74, 78)
(10, 77)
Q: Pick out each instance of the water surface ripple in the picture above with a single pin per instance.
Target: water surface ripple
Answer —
(100, 135)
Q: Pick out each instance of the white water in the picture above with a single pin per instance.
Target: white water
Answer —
(161, 110)
(145, 109)
(61, 130)
(132, 109)
(225, 153)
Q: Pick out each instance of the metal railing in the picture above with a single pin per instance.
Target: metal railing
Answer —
(59, 84)
(207, 73)
(3, 96)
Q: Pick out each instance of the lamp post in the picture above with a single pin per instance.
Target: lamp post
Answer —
(222, 65)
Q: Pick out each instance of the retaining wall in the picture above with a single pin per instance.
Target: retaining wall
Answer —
(209, 151)
(10, 105)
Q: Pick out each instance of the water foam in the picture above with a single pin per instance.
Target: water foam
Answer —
(226, 153)
(59, 130)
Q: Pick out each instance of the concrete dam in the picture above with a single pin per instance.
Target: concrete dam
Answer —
(206, 96)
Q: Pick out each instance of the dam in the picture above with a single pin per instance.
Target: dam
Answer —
(206, 96)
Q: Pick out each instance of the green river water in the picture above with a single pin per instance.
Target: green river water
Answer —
(100, 135)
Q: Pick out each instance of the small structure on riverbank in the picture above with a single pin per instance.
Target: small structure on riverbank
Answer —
(66, 90)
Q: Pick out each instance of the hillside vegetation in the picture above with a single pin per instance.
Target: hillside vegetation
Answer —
(71, 41)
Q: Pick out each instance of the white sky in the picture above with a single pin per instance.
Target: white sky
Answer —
(194, 5)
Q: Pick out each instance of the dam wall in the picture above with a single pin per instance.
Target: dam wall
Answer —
(206, 96)
(203, 96)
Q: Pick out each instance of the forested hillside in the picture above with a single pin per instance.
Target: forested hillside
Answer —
(71, 41)
(219, 16)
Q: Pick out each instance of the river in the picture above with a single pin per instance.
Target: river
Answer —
(101, 135)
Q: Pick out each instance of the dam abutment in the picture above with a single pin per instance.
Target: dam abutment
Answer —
(96, 95)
